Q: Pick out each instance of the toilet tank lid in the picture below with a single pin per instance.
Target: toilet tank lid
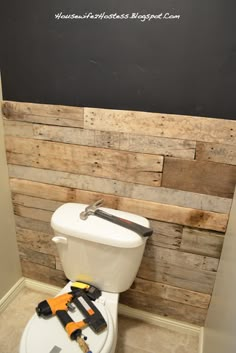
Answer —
(66, 220)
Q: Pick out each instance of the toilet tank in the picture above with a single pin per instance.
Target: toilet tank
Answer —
(97, 251)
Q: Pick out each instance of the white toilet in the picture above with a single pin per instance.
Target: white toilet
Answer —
(93, 251)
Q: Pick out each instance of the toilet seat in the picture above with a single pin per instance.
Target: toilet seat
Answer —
(49, 336)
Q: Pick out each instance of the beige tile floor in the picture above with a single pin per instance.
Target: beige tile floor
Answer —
(134, 336)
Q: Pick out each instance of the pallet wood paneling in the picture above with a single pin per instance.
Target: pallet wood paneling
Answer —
(183, 277)
(34, 213)
(37, 241)
(215, 152)
(164, 307)
(200, 176)
(112, 164)
(35, 202)
(152, 210)
(36, 257)
(43, 273)
(202, 242)
(29, 223)
(44, 114)
(181, 259)
(166, 235)
(164, 125)
(127, 142)
(120, 188)
(165, 291)
(175, 214)
(67, 154)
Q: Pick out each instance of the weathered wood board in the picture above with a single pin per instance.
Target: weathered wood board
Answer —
(165, 125)
(167, 235)
(199, 176)
(105, 139)
(43, 273)
(127, 166)
(44, 114)
(202, 242)
(164, 307)
(37, 241)
(178, 276)
(165, 291)
(216, 152)
(36, 257)
(181, 258)
(152, 210)
(120, 188)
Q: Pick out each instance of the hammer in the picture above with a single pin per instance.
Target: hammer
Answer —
(135, 227)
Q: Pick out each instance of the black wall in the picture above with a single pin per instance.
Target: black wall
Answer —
(185, 66)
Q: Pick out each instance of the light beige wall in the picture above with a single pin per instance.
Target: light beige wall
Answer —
(10, 270)
(221, 319)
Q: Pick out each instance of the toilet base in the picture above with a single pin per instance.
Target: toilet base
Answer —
(41, 335)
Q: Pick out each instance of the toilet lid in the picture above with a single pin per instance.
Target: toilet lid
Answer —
(49, 336)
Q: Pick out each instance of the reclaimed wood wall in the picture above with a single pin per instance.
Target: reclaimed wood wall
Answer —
(178, 171)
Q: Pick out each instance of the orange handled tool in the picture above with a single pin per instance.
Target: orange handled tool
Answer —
(74, 329)
(52, 305)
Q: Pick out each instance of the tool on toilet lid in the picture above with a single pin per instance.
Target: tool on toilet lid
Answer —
(93, 317)
(92, 292)
(74, 329)
(93, 209)
(49, 307)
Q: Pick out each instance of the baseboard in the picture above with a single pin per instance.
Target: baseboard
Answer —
(201, 339)
(12, 293)
(158, 320)
(124, 310)
(42, 287)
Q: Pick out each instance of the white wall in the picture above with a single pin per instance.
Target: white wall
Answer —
(220, 331)
(10, 270)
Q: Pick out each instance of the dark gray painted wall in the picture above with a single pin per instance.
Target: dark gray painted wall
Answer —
(185, 66)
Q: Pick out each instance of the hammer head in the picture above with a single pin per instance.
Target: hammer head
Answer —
(90, 209)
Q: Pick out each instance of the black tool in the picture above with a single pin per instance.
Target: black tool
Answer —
(135, 227)
(92, 292)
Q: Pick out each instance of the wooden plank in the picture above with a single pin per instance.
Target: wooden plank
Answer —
(112, 164)
(44, 113)
(199, 176)
(33, 213)
(127, 142)
(59, 193)
(182, 277)
(78, 136)
(174, 214)
(33, 225)
(202, 242)
(35, 202)
(166, 235)
(121, 188)
(181, 258)
(36, 241)
(166, 308)
(176, 294)
(164, 125)
(43, 273)
(215, 152)
(161, 212)
(40, 258)
(178, 148)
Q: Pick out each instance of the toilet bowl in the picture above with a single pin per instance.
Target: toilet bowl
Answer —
(48, 335)
(93, 251)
